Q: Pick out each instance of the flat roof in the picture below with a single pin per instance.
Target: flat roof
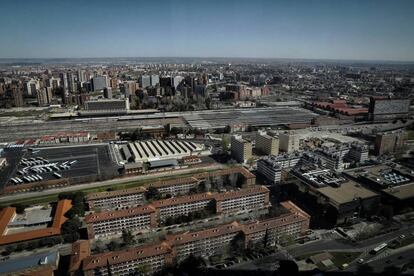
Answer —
(58, 219)
(346, 192)
(27, 262)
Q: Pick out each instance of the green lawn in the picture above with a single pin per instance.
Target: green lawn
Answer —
(126, 185)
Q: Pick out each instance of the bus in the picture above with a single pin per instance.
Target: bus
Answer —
(57, 175)
(378, 249)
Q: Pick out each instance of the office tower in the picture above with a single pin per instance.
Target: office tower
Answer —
(108, 92)
(267, 144)
(98, 83)
(155, 79)
(145, 81)
(288, 142)
(241, 149)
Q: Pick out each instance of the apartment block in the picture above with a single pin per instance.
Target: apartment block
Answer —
(149, 216)
(241, 149)
(288, 142)
(273, 231)
(270, 169)
(205, 242)
(175, 186)
(177, 206)
(125, 262)
(113, 222)
(115, 199)
(252, 198)
(267, 144)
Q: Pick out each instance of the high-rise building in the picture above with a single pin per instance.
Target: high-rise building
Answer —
(389, 142)
(288, 142)
(17, 95)
(64, 81)
(32, 87)
(155, 79)
(82, 76)
(145, 81)
(44, 96)
(267, 144)
(108, 92)
(98, 83)
(72, 82)
(176, 81)
(241, 149)
(53, 83)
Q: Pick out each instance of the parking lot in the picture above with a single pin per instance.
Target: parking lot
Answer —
(78, 163)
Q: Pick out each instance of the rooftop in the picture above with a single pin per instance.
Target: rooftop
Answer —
(136, 253)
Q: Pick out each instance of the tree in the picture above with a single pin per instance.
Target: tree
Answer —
(113, 246)
(19, 207)
(391, 271)
(152, 193)
(364, 269)
(225, 143)
(70, 230)
(192, 265)
(127, 237)
(237, 244)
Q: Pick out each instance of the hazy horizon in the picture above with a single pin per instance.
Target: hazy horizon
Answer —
(371, 30)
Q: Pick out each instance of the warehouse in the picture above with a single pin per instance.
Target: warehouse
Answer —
(152, 150)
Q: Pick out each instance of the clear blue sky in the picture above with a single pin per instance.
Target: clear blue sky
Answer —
(333, 29)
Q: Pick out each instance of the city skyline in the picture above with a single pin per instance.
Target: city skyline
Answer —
(324, 30)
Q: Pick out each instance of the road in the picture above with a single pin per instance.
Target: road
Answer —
(342, 245)
(98, 184)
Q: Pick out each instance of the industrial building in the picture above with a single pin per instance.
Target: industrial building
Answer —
(385, 108)
(121, 106)
(153, 150)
